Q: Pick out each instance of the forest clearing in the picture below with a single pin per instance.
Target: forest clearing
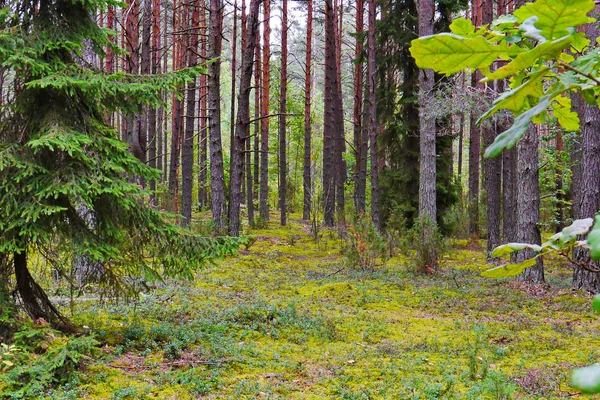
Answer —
(280, 322)
(298, 199)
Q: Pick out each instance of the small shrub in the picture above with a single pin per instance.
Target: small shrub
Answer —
(365, 248)
(424, 245)
(259, 223)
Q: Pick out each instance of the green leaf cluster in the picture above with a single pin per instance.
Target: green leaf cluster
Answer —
(543, 55)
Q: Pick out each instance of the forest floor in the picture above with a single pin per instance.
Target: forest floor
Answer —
(281, 321)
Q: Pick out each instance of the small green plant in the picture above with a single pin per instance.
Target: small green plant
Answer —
(259, 223)
(424, 245)
(247, 241)
(365, 248)
(7, 353)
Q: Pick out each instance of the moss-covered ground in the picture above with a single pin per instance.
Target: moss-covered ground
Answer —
(282, 321)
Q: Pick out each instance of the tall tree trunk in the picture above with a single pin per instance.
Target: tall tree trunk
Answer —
(257, 110)
(248, 141)
(264, 131)
(242, 120)
(233, 92)
(133, 132)
(492, 167)
(307, 179)
(214, 117)
(187, 160)
(328, 119)
(587, 197)
(528, 203)
(154, 125)
(372, 128)
(202, 106)
(165, 121)
(427, 189)
(176, 112)
(474, 146)
(360, 145)
(339, 163)
(282, 116)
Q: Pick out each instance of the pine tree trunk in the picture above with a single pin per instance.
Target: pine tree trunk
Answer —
(149, 38)
(283, 117)
(360, 145)
(214, 118)
(257, 110)
(248, 141)
(176, 113)
(528, 203)
(242, 120)
(307, 178)
(339, 163)
(233, 91)
(492, 167)
(370, 120)
(509, 193)
(264, 131)
(187, 161)
(202, 106)
(587, 196)
(427, 162)
(328, 119)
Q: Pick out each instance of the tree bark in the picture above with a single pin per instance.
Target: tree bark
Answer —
(242, 120)
(282, 116)
(339, 147)
(35, 301)
(528, 204)
(264, 123)
(427, 161)
(214, 117)
(257, 132)
(328, 119)
(187, 157)
(307, 179)
(360, 144)
(154, 134)
(492, 167)
(202, 106)
(372, 128)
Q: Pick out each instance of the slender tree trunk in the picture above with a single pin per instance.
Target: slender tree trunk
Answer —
(372, 127)
(528, 203)
(165, 120)
(176, 127)
(248, 141)
(560, 194)
(214, 118)
(427, 189)
(307, 178)
(339, 147)
(257, 110)
(328, 119)
(282, 116)
(187, 162)
(242, 120)
(509, 192)
(360, 145)
(202, 106)
(154, 126)
(264, 132)
(474, 146)
(233, 89)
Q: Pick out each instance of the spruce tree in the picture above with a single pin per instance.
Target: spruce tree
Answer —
(59, 156)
